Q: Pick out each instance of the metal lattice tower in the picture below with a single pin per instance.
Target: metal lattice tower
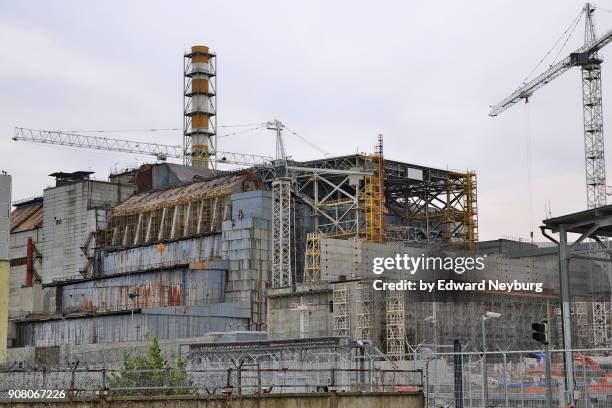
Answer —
(580, 323)
(470, 223)
(373, 196)
(595, 165)
(281, 232)
(600, 314)
(312, 264)
(342, 325)
(364, 312)
(396, 324)
(199, 106)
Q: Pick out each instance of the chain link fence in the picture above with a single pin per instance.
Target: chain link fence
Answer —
(514, 378)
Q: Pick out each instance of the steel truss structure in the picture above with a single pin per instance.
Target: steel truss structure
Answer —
(290, 350)
(396, 324)
(441, 203)
(585, 57)
(160, 151)
(367, 307)
(342, 319)
(312, 264)
(199, 106)
(281, 233)
(373, 201)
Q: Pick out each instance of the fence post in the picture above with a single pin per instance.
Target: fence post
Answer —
(240, 379)
(458, 362)
(547, 374)
(505, 379)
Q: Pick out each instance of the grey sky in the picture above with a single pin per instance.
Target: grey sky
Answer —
(338, 73)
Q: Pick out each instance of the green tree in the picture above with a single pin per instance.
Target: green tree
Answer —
(152, 373)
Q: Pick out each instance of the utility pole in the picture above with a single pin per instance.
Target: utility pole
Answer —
(485, 377)
(485, 381)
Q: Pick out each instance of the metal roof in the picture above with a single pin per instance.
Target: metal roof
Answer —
(27, 217)
(583, 221)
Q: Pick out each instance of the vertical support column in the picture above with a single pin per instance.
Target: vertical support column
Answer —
(595, 165)
(364, 311)
(5, 209)
(138, 229)
(312, 264)
(281, 232)
(566, 313)
(29, 262)
(396, 324)
(342, 325)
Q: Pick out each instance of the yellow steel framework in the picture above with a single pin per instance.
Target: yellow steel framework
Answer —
(459, 214)
(471, 209)
(373, 197)
(312, 267)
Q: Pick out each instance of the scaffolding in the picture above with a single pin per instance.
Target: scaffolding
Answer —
(342, 325)
(312, 265)
(174, 221)
(199, 106)
(365, 309)
(281, 233)
(470, 216)
(579, 311)
(600, 315)
(396, 324)
(373, 196)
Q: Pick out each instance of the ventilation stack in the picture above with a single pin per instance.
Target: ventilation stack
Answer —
(199, 107)
(5, 208)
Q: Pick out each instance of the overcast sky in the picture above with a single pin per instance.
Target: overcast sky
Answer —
(337, 73)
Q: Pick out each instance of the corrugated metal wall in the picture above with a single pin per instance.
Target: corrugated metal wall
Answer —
(122, 328)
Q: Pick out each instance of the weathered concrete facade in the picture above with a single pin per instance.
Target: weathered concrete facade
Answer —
(305, 400)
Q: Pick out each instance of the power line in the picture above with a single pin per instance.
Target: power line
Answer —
(573, 24)
(119, 130)
(325, 152)
(243, 131)
(243, 124)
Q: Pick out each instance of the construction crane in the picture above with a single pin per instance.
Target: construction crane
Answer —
(585, 57)
(160, 151)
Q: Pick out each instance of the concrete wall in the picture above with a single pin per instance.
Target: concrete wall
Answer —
(20, 301)
(286, 320)
(246, 245)
(302, 400)
(5, 209)
(71, 213)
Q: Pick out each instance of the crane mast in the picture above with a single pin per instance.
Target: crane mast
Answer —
(595, 164)
(585, 57)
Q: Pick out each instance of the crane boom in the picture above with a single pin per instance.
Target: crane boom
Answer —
(585, 57)
(526, 90)
(160, 151)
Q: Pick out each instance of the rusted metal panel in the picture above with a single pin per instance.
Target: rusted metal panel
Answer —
(122, 328)
(170, 197)
(173, 287)
(150, 256)
(27, 217)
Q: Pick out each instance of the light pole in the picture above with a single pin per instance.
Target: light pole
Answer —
(434, 325)
(485, 380)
